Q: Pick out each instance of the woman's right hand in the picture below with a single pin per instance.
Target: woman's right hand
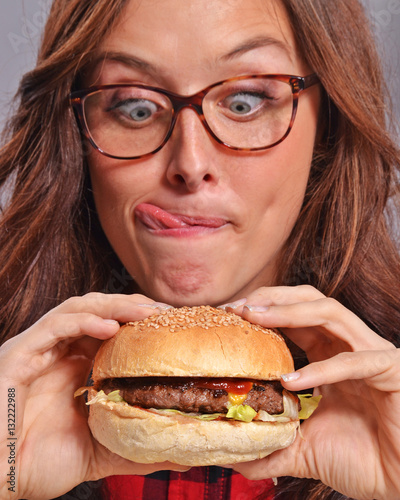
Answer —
(40, 370)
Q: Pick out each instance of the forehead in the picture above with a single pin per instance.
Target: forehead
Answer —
(193, 37)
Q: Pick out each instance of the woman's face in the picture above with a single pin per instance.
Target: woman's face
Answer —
(243, 205)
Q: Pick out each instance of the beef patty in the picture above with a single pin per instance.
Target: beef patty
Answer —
(187, 395)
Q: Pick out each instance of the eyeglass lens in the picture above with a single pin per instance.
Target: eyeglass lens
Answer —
(132, 121)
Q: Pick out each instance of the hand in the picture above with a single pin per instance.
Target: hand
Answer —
(42, 367)
(351, 442)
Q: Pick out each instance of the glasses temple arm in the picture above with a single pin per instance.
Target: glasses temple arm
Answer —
(310, 80)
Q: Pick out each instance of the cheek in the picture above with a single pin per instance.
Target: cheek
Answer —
(274, 187)
(292, 163)
(109, 177)
(111, 186)
(116, 185)
(108, 196)
(105, 183)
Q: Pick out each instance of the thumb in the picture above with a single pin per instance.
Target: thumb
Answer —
(286, 462)
(134, 468)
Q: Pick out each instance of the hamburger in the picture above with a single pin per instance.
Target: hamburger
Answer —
(194, 386)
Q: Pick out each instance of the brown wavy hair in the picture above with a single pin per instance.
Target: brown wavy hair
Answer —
(52, 246)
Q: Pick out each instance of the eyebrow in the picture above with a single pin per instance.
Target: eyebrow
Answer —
(247, 46)
(124, 58)
(255, 43)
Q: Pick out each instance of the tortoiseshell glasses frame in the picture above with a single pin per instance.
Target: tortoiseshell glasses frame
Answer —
(175, 103)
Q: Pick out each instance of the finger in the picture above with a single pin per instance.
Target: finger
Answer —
(287, 462)
(256, 308)
(310, 309)
(94, 314)
(324, 317)
(295, 460)
(144, 469)
(35, 350)
(277, 295)
(120, 307)
(52, 329)
(107, 463)
(379, 369)
(51, 337)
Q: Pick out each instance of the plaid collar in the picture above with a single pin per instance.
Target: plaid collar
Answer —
(199, 483)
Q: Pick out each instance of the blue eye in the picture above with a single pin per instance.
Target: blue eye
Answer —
(138, 110)
(244, 103)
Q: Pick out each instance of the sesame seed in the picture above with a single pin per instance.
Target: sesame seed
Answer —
(205, 317)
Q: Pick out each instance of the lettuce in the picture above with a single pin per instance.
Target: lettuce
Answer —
(198, 416)
(102, 396)
(244, 413)
(115, 396)
(308, 404)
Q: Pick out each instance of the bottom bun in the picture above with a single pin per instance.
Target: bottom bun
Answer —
(146, 437)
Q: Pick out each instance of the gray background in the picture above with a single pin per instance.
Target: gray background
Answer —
(21, 23)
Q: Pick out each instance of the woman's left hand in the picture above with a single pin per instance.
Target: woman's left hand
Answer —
(352, 441)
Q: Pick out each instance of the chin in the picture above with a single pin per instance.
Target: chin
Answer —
(181, 288)
(193, 284)
(182, 298)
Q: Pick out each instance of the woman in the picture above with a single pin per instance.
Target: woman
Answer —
(231, 212)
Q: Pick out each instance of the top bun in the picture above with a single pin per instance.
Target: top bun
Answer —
(193, 342)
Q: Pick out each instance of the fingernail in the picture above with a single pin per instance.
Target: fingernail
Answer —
(256, 308)
(180, 469)
(162, 306)
(233, 305)
(156, 305)
(290, 377)
(111, 322)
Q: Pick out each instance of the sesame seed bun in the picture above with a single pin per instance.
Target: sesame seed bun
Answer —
(194, 342)
(188, 342)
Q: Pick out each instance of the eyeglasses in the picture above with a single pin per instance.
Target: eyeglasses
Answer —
(246, 113)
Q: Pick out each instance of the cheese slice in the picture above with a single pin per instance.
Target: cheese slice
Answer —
(236, 399)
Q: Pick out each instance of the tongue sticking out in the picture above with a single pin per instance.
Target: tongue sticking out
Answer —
(156, 218)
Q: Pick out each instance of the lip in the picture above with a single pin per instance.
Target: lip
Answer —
(170, 223)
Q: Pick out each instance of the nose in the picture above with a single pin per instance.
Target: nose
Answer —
(192, 153)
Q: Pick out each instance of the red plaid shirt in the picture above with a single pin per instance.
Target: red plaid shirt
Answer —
(199, 483)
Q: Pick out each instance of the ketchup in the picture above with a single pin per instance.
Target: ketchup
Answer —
(238, 386)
